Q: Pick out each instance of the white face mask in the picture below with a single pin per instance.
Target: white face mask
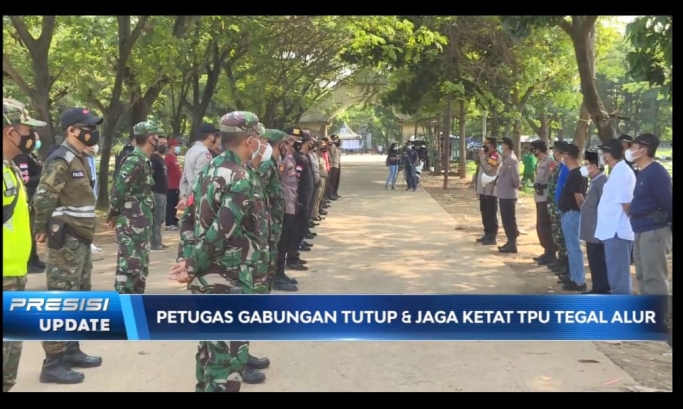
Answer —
(176, 150)
(95, 149)
(268, 153)
(630, 156)
(584, 171)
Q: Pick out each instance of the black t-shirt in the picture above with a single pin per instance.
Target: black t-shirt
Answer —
(159, 174)
(575, 184)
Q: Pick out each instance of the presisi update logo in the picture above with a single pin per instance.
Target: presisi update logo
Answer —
(68, 305)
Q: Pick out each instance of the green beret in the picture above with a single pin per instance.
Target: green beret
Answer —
(274, 135)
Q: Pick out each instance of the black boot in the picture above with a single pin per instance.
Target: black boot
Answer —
(509, 247)
(489, 241)
(56, 370)
(283, 284)
(258, 363)
(295, 265)
(482, 238)
(549, 258)
(78, 359)
(252, 376)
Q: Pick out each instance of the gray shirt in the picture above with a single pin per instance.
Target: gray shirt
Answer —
(489, 165)
(196, 158)
(314, 162)
(544, 171)
(335, 156)
(286, 168)
(589, 209)
(508, 177)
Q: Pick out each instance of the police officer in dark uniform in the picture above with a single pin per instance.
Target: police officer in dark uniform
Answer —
(30, 167)
(304, 193)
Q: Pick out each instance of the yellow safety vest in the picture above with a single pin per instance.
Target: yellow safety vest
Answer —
(16, 226)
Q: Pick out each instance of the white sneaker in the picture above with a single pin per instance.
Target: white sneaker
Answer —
(94, 249)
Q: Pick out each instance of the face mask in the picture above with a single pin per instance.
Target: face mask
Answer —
(38, 145)
(26, 142)
(268, 153)
(154, 143)
(630, 156)
(163, 149)
(256, 153)
(323, 149)
(486, 148)
(297, 145)
(500, 149)
(176, 150)
(95, 149)
(88, 137)
(337, 143)
(584, 171)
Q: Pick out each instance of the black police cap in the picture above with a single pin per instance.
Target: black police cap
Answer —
(81, 116)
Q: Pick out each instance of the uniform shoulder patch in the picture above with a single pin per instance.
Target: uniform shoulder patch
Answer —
(281, 168)
(23, 166)
(208, 155)
(492, 161)
(551, 165)
(299, 168)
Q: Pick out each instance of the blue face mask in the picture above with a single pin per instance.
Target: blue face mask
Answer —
(37, 145)
(500, 149)
(176, 150)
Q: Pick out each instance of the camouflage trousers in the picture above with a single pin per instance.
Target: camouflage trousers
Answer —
(319, 193)
(67, 269)
(558, 238)
(11, 350)
(132, 266)
(219, 364)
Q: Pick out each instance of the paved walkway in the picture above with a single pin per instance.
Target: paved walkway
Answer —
(373, 241)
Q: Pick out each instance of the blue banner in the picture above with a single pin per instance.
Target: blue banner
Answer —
(102, 316)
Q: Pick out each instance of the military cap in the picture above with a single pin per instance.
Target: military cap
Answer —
(294, 131)
(647, 139)
(239, 121)
(15, 113)
(612, 146)
(274, 135)
(75, 116)
(507, 141)
(492, 139)
(148, 127)
(625, 138)
(261, 129)
(539, 144)
(592, 157)
(571, 150)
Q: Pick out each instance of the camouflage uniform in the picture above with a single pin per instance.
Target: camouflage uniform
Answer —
(227, 249)
(131, 205)
(275, 203)
(554, 213)
(14, 268)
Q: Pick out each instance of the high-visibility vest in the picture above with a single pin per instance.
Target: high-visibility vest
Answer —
(16, 223)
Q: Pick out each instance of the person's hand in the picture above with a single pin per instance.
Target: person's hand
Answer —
(182, 204)
(482, 153)
(111, 223)
(40, 238)
(178, 272)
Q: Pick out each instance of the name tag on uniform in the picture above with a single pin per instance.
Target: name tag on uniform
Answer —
(77, 174)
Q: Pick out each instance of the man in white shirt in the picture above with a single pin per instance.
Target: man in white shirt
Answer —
(196, 158)
(614, 227)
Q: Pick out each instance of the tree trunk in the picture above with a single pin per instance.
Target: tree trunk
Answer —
(517, 138)
(583, 38)
(495, 125)
(448, 119)
(462, 117)
(582, 127)
(142, 104)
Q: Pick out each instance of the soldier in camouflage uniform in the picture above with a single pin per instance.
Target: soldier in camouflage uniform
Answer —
(131, 208)
(18, 139)
(224, 219)
(64, 205)
(554, 213)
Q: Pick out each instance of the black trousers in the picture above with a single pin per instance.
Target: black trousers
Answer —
(333, 182)
(598, 266)
(172, 198)
(301, 221)
(544, 228)
(284, 245)
(508, 215)
(488, 206)
(312, 202)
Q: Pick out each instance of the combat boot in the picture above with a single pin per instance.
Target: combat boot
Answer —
(510, 247)
(283, 284)
(253, 376)
(56, 370)
(482, 238)
(309, 236)
(78, 359)
(257, 363)
(295, 265)
(489, 241)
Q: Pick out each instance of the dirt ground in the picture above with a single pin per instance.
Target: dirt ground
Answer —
(649, 363)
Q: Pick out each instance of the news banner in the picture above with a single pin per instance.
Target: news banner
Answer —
(109, 316)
